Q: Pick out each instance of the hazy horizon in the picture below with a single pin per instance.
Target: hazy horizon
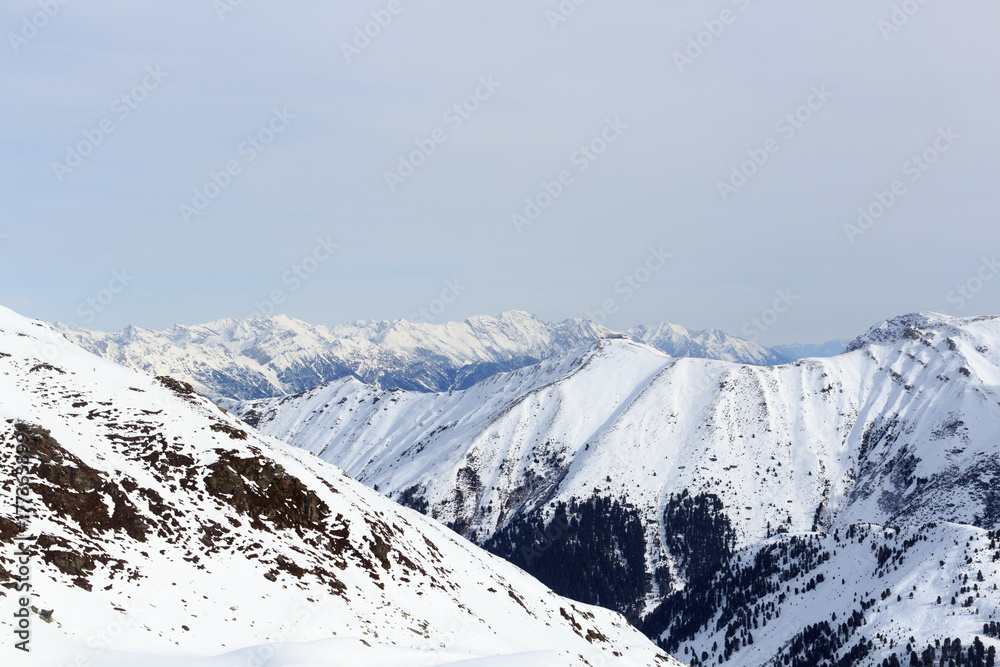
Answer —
(817, 343)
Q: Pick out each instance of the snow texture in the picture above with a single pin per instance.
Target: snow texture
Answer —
(170, 533)
(901, 431)
(275, 356)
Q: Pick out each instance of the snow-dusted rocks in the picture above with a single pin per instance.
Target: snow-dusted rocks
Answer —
(167, 532)
(705, 465)
(274, 356)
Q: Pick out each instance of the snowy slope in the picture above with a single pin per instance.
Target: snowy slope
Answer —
(169, 533)
(869, 591)
(902, 430)
(273, 356)
(796, 351)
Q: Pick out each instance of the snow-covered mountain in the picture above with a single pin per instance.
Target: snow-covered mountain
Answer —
(275, 356)
(677, 341)
(705, 498)
(162, 531)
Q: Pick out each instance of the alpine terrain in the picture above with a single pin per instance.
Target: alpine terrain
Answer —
(265, 357)
(840, 511)
(151, 528)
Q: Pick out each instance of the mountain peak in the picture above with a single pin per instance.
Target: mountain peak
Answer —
(144, 495)
(896, 328)
(278, 355)
(660, 486)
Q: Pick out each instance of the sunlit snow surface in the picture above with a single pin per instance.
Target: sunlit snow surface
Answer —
(271, 356)
(902, 430)
(362, 582)
(773, 442)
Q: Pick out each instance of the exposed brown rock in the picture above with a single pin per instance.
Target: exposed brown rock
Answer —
(60, 553)
(262, 490)
(76, 491)
(234, 433)
(182, 389)
(8, 530)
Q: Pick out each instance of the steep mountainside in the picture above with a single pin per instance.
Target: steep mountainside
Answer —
(162, 531)
(663, 486)
(274, 356)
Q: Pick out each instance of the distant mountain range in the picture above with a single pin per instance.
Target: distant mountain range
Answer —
(796, 351)
(276, 356)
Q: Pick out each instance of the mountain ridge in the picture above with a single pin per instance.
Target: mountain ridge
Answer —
(278, 355)
(763, 462)
(165, 531)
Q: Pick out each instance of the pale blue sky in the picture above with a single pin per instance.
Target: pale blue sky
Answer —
(679, 127)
